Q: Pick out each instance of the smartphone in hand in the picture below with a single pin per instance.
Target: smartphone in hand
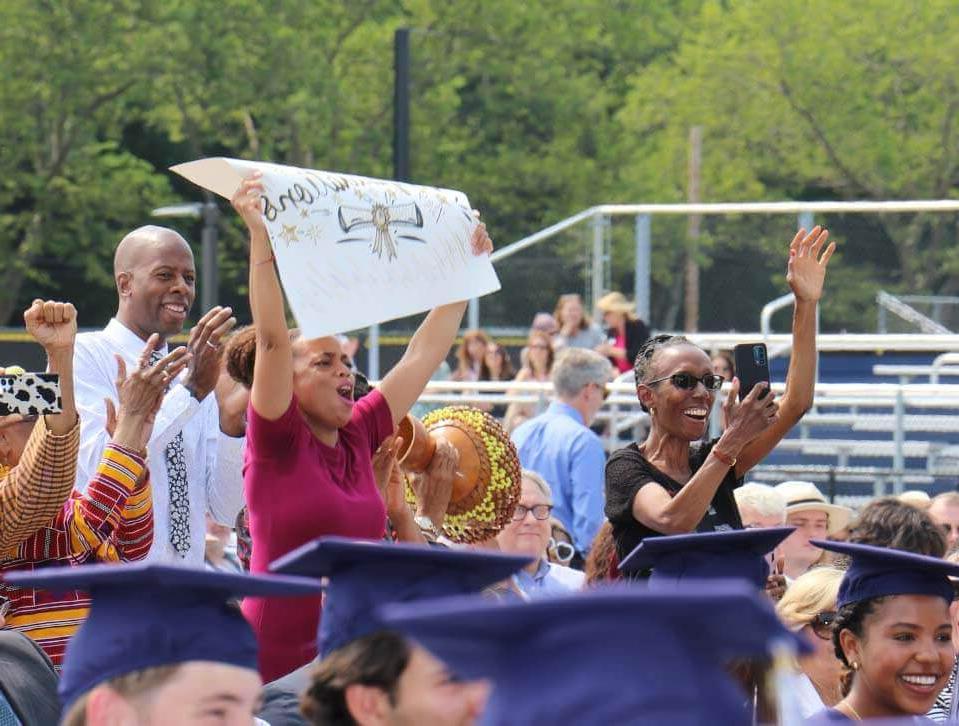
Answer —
(752, 367)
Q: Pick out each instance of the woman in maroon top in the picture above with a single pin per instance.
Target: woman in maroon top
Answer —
(308, 469)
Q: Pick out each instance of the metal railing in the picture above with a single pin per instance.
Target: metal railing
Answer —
(599, 216)
(882, 404)
(900, 307)
(643, 213)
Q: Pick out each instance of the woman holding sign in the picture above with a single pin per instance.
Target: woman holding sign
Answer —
(308, 469)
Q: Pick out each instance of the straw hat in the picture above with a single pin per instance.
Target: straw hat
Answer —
(804, 496)
(615, 302)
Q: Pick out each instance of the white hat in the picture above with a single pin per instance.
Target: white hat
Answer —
(803, 496)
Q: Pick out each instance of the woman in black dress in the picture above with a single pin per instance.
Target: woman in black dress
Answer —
(670, 484)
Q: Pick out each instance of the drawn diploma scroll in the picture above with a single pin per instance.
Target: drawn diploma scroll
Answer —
(353, 251)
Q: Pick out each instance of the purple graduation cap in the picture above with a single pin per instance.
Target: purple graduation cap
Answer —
(739, 554)
(143, 616)
(362, 575)
(616, 655)
(881, 571)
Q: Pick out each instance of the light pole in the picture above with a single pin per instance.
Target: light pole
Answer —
(401, 156)
(209, 213)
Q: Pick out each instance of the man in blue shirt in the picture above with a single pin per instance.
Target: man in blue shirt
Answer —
(559, 446)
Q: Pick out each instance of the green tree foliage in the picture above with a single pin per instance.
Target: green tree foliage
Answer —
(814, 99)
(67, 182)
(537, 110)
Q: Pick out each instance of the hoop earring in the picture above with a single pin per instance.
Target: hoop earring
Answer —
(652, 410)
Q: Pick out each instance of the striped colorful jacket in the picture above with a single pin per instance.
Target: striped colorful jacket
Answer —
(32, 492)
(111, 522)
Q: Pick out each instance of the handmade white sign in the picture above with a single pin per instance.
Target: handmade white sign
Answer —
(353, 251)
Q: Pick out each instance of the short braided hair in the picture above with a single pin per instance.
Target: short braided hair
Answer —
(644, 359)
(850, 617)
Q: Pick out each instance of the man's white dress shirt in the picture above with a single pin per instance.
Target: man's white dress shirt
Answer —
(218, 490)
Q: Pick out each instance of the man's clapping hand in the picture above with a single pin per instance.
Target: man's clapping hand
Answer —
(141, 394)
(204, 346)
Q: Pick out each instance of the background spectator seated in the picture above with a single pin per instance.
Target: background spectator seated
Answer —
(576, 330)
(760, 505)
(559, 446)
(529, 534)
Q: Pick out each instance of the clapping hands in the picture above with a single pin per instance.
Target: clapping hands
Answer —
(141, 393)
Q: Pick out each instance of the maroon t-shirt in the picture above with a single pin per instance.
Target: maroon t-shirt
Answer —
(297, 489)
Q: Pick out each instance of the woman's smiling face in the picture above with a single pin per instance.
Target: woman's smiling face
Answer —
(905, 655)
(680, 412)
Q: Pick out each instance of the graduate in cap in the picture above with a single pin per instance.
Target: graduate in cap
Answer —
(161, 645)
(368, 674)
(892, 631)
(616, 655)
(740, 554)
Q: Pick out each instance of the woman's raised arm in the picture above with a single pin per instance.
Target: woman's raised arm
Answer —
(272, 388)
(805, 273)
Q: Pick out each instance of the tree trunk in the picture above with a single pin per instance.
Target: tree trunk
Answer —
(11, 281)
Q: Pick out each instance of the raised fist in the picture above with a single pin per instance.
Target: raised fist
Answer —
(52, 324)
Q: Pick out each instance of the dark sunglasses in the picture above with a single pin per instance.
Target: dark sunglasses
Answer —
(687, 381)
(822, 624)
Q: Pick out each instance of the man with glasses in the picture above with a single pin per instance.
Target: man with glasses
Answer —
(559, 446)
(529, 534)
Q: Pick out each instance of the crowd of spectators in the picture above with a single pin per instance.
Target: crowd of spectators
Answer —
(173, 480)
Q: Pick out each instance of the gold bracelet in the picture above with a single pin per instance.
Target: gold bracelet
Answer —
(729, 461)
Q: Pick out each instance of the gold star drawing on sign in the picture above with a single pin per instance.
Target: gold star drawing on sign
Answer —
(289, 233)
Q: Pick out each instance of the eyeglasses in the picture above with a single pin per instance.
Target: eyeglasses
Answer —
(687, 381)
(822, 624)
(540, 512)
(561, 551)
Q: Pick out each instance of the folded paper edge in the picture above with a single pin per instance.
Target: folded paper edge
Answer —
(217, 174)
